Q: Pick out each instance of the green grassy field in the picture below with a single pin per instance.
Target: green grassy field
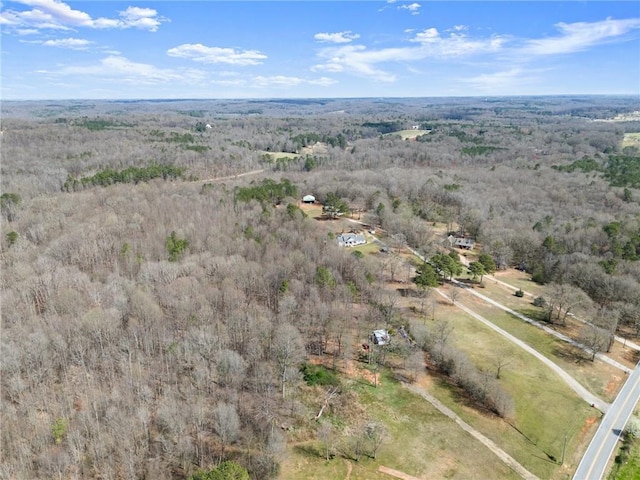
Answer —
(546, 408)
(535, 438)
(627, 466)
(408, 134)
(275, 155)
(595, 376)
(520, 280)
(421, 442)
(631, 140)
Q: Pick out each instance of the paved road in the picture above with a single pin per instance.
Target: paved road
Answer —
(595, 460)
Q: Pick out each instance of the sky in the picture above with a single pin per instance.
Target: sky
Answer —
(55, 49)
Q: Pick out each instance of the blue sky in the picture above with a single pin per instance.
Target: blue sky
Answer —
(54, 49)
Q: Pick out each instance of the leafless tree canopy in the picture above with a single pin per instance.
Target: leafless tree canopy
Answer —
(153, 324)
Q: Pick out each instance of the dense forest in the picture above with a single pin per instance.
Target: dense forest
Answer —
(168, 304)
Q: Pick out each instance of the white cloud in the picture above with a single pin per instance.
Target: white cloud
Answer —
(360, 60)
(277, 80)
(455, 44)
(430, 35)
(357, 59)
(57, 15)
(503, 81)
(124, 70)
(338, 37)
(56, 12)
(412, 7)
(323, 81)
(201, 53)
(575, 37)
(229, 83)
(27, 31)
(72, 43)
(288, 82)
(143, 18)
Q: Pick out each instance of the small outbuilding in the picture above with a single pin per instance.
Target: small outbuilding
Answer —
(463, 242)
(308, 199)
(380, 337)
(467, 243)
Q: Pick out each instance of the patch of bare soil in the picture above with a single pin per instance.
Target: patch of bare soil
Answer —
(396, 473)
(613, 386)
(512, 273)
(349, 469)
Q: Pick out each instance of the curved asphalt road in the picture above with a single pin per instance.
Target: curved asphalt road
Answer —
(595, 460)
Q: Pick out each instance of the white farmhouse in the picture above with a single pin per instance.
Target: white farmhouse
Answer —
(351, 239)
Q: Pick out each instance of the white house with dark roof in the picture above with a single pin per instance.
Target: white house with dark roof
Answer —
(464, 242)
(461, 242)
(351, 239)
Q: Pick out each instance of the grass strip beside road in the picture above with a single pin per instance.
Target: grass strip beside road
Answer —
(546, 408)
(594, 376)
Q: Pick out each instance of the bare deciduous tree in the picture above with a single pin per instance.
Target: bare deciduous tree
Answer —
(288, 351)
(596, 339)
(226, 424)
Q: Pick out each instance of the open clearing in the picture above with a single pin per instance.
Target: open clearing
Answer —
(409, 134)
(533, 386)
(422, 445)
(595, 376)
(631, 140)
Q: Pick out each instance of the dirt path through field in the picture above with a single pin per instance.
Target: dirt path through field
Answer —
(502, 455)
(396, 473)
(231, 177)
(349, 469)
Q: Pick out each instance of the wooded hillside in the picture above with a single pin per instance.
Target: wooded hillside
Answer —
(158, 304)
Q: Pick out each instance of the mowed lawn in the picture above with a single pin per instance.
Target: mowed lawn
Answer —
(409, 134)
(598, 377)
(519, 279)
(524, 305)
(422, 442)
(546, 408)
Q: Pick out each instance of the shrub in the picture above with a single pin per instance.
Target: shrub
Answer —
(175, 246)
(519, 293)
(12, 237)
(228, 470)
(539, 302)
(318, 375)
(59, 430)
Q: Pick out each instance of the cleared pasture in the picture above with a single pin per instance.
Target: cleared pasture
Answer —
(546, 408)
(421, 442)
(409, 134)
(599, 378)
(631, 139)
